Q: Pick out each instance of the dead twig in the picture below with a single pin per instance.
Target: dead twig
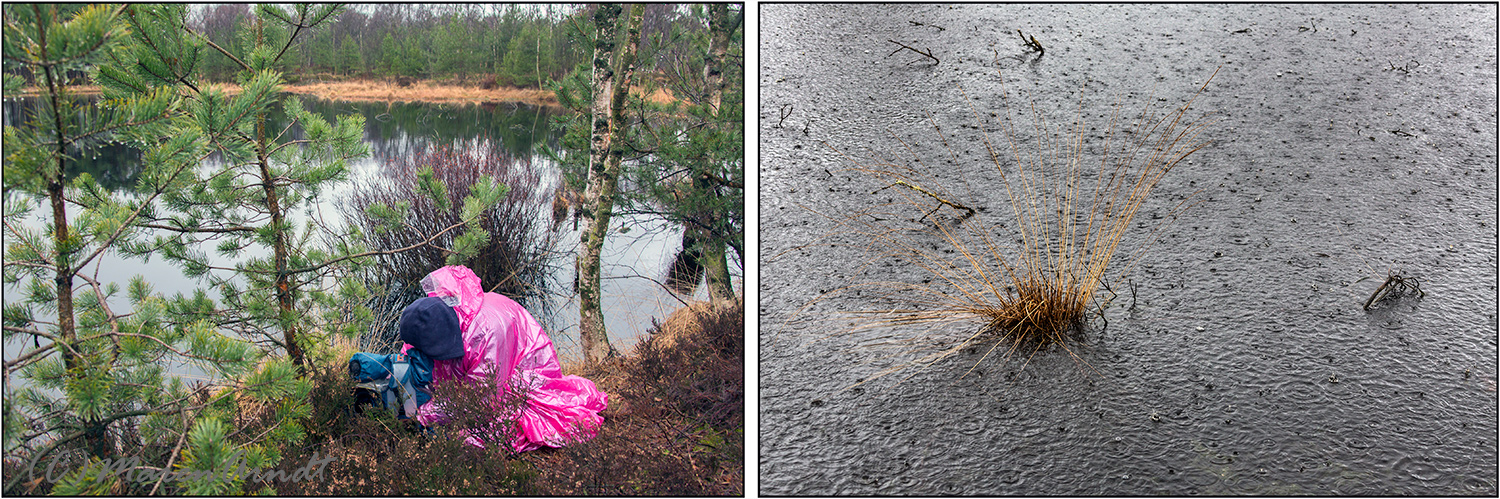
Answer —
(1406, 68)
(914, 23)
(786, 110)
(1032, 43)
(904, 46)
(1392, 283)
(929, 193)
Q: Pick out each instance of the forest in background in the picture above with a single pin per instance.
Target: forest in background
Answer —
(518, 45)
(521, 45)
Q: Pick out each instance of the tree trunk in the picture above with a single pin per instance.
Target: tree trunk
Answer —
(715, 263)
(284, 300)
(61, 238)
(611, 87)
(285, 304)
(716, 269)
(719, 30)
(96, 439)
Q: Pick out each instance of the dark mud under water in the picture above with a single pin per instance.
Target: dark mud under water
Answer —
(1351, 140)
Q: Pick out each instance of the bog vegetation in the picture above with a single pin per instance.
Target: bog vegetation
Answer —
(227, 189)
(1026, 278)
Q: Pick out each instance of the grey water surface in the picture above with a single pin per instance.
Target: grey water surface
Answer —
(1348, 142)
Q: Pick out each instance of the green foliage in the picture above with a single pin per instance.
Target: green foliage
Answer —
(390, 53)
(694, 172)
(94, 371)
(432, 188)
(348, 58)
(94, 478)
(524, 57)
(388, 218)
(520, 46)
(210, 455)
(154, 25)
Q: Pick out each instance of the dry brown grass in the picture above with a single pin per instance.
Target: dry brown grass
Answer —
(659, 96)
(422, 91)
(75, 89)
(1027, 281)
(675, 422)
(386, 91)
(389, 91)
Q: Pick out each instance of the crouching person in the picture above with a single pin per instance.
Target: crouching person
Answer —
(498, 339)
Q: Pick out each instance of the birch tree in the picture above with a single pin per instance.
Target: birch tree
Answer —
(613, 69)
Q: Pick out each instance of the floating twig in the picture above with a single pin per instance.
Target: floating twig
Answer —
(1393, 282)
(904, 46)
(1032, 43)
(786, 110)
(914, 23)
(929, 193)
(1406, 68)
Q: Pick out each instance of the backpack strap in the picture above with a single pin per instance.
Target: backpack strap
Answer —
(401, 380)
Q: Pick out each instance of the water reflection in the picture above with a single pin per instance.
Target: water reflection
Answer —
(637, 252)
(114, 165)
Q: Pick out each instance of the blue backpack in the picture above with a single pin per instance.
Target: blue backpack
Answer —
(398, 382)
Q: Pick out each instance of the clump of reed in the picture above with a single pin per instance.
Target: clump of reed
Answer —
(1030, 279)
(521, 251)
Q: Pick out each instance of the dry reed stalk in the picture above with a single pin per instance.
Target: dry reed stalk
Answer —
(1034, 293)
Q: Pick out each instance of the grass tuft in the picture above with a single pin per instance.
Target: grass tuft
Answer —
(1027, 277)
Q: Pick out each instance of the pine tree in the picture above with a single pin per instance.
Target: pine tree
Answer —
(390, 53)
(695, 174)
(348, 60)
(286, 296)
(269, 171)
(266, 175)
(99, 377)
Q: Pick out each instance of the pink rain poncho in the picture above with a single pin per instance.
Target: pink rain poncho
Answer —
(501, 339)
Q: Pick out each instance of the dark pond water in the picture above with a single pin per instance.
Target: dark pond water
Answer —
(631, 258)
(1351, 140)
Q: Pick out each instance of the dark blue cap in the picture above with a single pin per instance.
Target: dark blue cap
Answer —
(432, 327)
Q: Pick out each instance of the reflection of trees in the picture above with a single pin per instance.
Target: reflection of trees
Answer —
(402, 129)
(114, 165)
(393, 130)
(399, 128)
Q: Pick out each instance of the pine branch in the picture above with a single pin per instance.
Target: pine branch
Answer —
(216, 46)
(31, 465)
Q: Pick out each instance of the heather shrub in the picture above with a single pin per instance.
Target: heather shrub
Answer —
(370, 453)
(675, 422)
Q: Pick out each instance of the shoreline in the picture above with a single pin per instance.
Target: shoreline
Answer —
(425, 91)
